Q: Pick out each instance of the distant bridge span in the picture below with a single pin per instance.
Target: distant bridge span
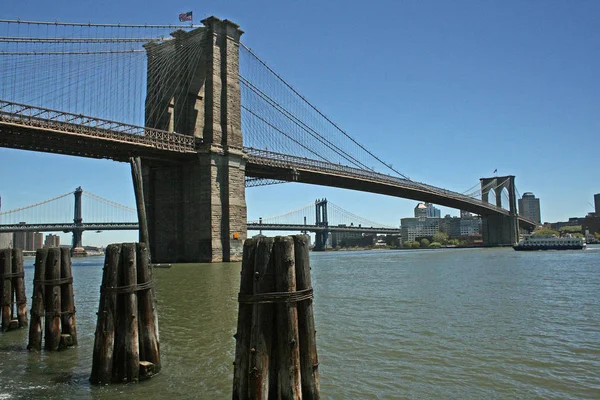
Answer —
(123, 226)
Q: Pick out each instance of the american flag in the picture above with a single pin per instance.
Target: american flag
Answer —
(186, 16)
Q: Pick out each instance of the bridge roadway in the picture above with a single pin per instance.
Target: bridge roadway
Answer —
(41, 129)
(100, 226)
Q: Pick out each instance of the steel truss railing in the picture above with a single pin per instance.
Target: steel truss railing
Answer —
(69, 227)
(46, 118)
(269, 158)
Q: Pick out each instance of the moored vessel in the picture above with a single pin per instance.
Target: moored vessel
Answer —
(536, 242)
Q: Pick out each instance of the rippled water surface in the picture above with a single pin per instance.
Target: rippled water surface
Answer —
(468, 324)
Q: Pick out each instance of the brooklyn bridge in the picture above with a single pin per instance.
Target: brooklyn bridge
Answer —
(200, 117)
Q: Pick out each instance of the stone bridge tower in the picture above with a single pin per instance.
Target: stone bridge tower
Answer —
(500, 230)
(196, 209)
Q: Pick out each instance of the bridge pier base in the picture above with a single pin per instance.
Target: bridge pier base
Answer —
(500, 230)
(197, 211)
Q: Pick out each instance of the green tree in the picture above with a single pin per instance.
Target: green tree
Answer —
(441, 238)
(435, 245)
(453, 242)
(571, 229)
(597, 235)
(424, 243)
(546, 231)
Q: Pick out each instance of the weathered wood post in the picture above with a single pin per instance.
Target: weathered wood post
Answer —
(52, 300)
(6, 287)
(242, 336)
(104, 342)
(309, 361)
(263, 318)
(148, 313)
(68, 322)
(37, 302)
(289, 386)
(53, 304)
(276, 353)
(126, 346)
(18, 283)
(138, 189)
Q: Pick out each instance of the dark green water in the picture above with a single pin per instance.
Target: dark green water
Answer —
(467, 324)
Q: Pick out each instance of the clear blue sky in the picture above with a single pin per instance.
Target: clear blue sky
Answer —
(446, 91)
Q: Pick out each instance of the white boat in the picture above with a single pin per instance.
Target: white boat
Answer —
(539, 242)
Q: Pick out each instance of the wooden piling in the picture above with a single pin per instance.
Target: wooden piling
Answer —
(126, 346)
(242, 336)
(309, 360)
(6, 287)
(37, 302)
(19, 286)
(149, 349)
(52, 300)
(68, 321)
(138, 189)
(289, 383)
(127, 360)
(263, 318)
(275, 305)
(104, 343)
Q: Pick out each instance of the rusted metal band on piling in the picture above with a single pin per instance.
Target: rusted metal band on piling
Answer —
(276, 297)
(128, 289)
(51, 313)
(53, 282)
(13, 275)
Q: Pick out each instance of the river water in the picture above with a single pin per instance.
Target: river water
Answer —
(430, 324)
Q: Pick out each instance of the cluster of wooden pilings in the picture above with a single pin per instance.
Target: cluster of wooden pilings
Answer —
(126, 346)
(276, 354)
(12, 289)
(53, 303)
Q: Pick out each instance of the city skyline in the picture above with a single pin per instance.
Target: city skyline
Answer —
(470, 79)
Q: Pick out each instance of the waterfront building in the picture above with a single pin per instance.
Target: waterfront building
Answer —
(38, 240)
(597, 204)
(450, 226)
(350, 239)
(6, 239)
(20, 239)
(52, 240)
(456, 227)
(417, 228)
(465, 214)
(470, 226)
(529, 207)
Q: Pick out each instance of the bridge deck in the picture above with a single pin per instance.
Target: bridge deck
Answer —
(41, 129)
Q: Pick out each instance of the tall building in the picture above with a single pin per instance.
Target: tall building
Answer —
(420, 210)
(6, 241)
(597, 204)
(427, 210)
(52, 240)
(38, 240)
(529, 207)
(433, 212)
(20, 239)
